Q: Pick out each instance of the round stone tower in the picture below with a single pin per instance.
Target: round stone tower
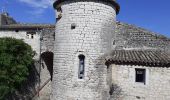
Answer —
(84, 31)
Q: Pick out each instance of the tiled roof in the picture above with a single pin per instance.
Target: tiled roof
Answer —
(140, 29)
(115, 4)
(131, 36)
(151, 58)
(27, 26)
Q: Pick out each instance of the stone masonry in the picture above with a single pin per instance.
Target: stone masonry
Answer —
(157, 86)
(89, 28)
(85, 28)
(40, 37)
(35, 43)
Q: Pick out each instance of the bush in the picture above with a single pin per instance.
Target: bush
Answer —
(15, 59)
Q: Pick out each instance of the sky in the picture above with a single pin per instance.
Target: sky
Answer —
(153, 15)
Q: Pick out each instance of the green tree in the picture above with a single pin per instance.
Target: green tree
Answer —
(15, 58)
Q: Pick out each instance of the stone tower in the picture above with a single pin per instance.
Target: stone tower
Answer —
(84, 31)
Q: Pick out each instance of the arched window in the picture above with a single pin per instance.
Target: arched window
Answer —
(81, 66)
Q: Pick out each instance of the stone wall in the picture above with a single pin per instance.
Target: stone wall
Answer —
(41, 75)
(29, 88)
(93, 36)
(0, 19)
(47, 44)
(156, 86)
(47, 40)
(42, 41)
(85, 28)
(34, 43)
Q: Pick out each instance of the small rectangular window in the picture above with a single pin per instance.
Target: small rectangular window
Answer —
(140, 75)
(32, 36)
(81, 67)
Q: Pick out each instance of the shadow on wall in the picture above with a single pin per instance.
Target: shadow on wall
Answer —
(28, 89)
(48, 59)
(115, 92)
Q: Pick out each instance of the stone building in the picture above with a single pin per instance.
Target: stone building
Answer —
(40, 37)
(30, 33)
(93, 56)
(97, 58)
(138, 75)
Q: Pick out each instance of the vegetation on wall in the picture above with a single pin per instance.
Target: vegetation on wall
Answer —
(15, 58)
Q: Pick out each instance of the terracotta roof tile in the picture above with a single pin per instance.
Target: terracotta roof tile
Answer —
(139, 57)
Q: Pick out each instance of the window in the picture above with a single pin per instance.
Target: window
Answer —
(32, 36)
(16, 30)
(54, 35)
(73, 26)
(114, 42)
(140, 75)
(81, 66)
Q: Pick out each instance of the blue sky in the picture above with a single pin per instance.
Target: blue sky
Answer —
(153, 15)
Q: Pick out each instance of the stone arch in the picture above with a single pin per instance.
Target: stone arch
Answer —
(47, 57)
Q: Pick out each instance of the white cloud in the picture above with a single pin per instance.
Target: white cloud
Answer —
(38, 3)
(38, 6)
(36, 12)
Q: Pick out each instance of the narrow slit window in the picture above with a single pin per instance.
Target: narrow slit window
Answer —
(140, 75)
(54, 35)
(114, 42)
(81, 66)
(32, 36)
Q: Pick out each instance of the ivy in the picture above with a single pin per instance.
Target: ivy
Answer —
(16, 57)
